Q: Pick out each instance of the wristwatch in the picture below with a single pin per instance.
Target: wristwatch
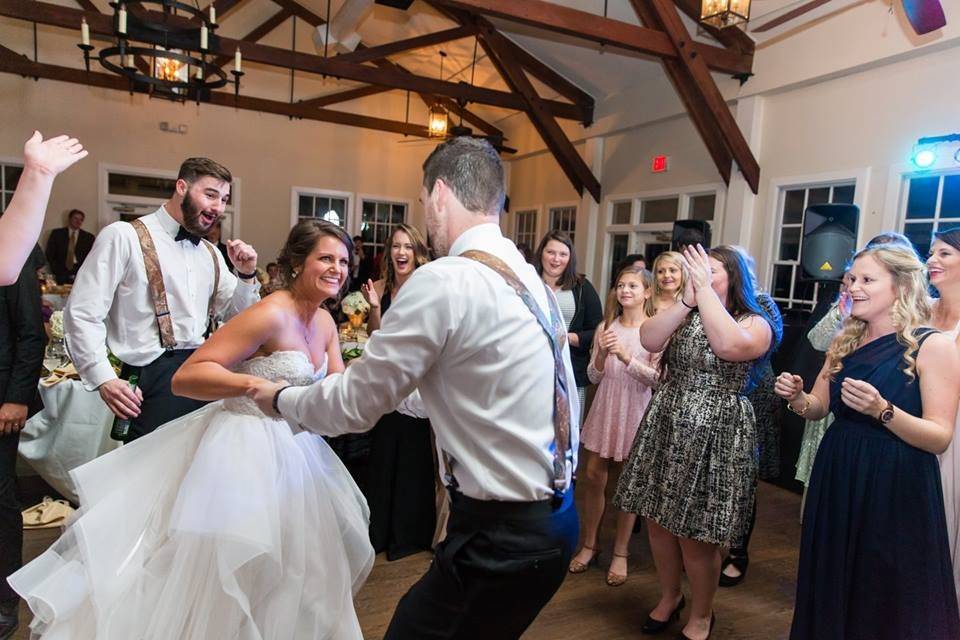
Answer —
(887, 414)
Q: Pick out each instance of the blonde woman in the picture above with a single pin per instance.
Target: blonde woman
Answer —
(874, 560)
(669, 279)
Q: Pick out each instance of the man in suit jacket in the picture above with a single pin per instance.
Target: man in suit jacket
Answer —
(22, 341)
(67, 248)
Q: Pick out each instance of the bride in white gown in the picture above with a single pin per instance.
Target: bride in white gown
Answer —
(222, 524)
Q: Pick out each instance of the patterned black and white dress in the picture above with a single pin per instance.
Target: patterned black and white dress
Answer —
(693, 466)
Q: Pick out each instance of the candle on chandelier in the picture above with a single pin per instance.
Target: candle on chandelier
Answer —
(130, 64)
(213, 14)
(84, 33)
(122, 20)
(237, 61)
(203, 37)
(199, 74)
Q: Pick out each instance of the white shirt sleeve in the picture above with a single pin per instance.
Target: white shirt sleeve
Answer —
(408, 343)
(84, 318)
(234, 295)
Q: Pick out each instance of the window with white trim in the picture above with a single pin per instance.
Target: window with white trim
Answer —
(931, 203)
(377, 220)
(787, 285)
(526, 228)
(564, 219)
(319, 205)
(9, 177)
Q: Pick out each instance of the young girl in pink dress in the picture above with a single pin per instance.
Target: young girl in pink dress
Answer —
(625, 373)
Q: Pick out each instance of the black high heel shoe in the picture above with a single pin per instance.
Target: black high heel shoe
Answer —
(740, 563)
(713, 621)
(653, 626)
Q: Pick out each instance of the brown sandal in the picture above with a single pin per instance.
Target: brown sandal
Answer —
(616, 579)
(578, 567)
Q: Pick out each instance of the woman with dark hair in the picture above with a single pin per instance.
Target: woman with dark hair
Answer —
(692, 470)
(874, 551)
(556, 262)
(224, 524)
(401, 482)
(943, 266)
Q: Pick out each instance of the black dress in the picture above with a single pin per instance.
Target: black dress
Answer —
(874, 560)
(400, 487)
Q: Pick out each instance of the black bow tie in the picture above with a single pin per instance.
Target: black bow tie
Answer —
(183, 234)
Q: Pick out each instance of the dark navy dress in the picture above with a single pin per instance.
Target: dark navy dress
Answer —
(874, 559)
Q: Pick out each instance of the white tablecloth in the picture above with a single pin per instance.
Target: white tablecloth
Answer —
(73, 428)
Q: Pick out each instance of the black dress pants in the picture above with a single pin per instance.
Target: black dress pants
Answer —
(11, 522)
(499, 565)
(159, 405)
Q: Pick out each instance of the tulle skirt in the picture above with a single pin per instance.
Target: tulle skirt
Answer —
(219, 525)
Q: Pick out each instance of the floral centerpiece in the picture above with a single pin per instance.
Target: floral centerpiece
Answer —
(356, 308)
(56, 325)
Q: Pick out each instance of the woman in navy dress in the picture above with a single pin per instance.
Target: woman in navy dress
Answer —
(874, 559)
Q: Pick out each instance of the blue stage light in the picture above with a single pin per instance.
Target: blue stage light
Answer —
(924, 158)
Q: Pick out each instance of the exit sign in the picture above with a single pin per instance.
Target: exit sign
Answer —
(659, 164)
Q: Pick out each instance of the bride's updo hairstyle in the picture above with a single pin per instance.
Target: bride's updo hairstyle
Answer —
(301, 242)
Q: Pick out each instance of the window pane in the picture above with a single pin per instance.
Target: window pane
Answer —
(618, 251)
(145, 186)
(368, 212)
(793, 206)
(920, 235)
(383, 212)
(305, 206)
(820, 195)
(621, 212)
(701, 207)
(661, 210)
(653, 249)
(789, 243)
(11, 175)
(782, 274)
(399, 212)
(843, 193)
(322, 206)
(949, 202)
(332, 216)
(802, 290)
(922, 201)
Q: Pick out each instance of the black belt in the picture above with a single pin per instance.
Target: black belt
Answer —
(503, 509)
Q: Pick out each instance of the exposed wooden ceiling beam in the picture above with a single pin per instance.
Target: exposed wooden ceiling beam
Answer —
(301, 12)
(731, 37)
(576, 170)
(259, 32)
(222, 6)
(706, 88)
(344, 96)
(596, 28)
(87, 5)
(20, 65)
(539, 70)
(55, 15)
(382, 51)
(690, 95)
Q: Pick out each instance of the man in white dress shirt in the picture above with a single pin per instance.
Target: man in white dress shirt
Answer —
(112, 305)
(485, 370)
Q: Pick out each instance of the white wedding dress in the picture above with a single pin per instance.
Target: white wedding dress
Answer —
(221, 525)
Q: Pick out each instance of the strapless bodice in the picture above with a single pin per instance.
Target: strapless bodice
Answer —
(293, 366)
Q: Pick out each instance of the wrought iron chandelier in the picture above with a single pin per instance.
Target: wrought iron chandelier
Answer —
(181, 65)
(724, 13)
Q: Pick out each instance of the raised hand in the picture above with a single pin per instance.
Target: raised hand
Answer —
(862, 396)
(788, 386)
(370, 293)
(698, 267)
(242, 255)
(52, 156)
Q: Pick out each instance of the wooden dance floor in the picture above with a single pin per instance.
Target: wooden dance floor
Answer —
(760, 608)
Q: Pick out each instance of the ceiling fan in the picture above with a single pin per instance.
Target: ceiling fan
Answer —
(924, 15)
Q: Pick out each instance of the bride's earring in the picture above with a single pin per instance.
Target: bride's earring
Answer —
(296, 274)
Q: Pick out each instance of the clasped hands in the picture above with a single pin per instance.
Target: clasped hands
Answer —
(859, 395)
(610, 345)
(696, 263)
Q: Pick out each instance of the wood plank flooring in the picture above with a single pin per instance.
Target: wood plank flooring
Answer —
(759, 609)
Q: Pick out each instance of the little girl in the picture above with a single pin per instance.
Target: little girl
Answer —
(625, 373)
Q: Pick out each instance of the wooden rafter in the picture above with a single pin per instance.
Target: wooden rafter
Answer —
(55, 15)
(703, 90)
(11, 62)
(596, 28)
(260, 31)
(369, 54)
(576, 170)
(689, 94)
(344, 96)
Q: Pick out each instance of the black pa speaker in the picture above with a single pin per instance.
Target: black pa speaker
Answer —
(829, 240)
(690, 232)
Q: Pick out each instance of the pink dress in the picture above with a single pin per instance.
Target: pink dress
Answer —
(622, 396)
(950, 477)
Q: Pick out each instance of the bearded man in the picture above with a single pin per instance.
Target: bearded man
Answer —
(149, 292)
